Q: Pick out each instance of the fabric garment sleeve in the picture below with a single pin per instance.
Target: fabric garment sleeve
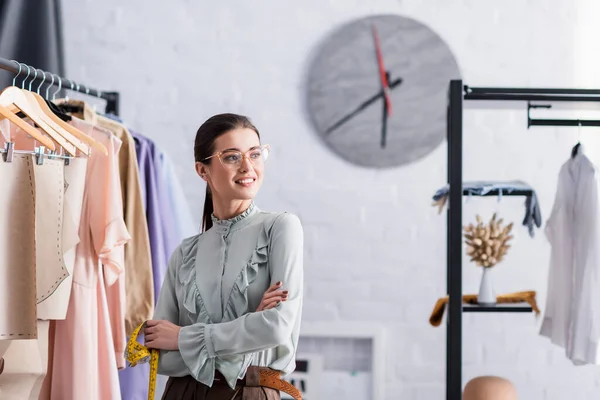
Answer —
(256, 331)
(170, 362)
(139, 279)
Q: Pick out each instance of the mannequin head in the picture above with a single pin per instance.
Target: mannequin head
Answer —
(489, 388)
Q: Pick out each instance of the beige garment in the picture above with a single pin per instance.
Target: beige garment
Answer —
(57, 223)
(49, 193)
(55, 307)
(17, 246)
(25, 366)
(139, 284)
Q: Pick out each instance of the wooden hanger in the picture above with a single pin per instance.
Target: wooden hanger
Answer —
(47, 108)
(69, 141)
(30, 130)
(84, 148)
(70, 128)
(12, 95)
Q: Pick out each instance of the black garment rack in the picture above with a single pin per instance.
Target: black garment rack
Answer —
(47, 78)
(457, 95)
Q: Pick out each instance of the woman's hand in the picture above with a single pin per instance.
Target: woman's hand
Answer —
(272, 297)
(162, 335)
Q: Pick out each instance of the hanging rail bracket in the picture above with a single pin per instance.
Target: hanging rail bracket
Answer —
(529, 107)
(556, 122)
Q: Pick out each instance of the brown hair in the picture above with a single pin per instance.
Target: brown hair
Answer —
(204, 146)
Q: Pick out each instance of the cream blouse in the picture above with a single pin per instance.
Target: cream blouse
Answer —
(214, 283)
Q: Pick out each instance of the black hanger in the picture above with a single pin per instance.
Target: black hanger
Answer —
(58, 112)
(575, 149)
(69, 108)
(54, 108)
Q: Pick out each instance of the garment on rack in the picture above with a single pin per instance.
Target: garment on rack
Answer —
(138, 264)
(572, 315)
(86, 347)
(533, 214)
(158, 212)
(49, 212)
(18, 312)
(59, 193)
(55, 307)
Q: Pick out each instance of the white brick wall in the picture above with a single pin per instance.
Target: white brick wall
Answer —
(375, 248)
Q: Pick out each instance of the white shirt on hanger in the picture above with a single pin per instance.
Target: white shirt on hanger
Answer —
(572, 316)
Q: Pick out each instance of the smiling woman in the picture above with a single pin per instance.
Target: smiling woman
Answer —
(235, 141)
(228, 315)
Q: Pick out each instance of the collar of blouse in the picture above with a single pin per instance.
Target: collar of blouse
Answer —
(224, 226)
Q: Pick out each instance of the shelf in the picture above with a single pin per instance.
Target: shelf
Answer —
(505, 307)
(505, 192)
(487, 188)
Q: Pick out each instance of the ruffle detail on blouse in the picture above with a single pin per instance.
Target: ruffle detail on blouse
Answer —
(193, 346)
(192, 301)
(238, 301)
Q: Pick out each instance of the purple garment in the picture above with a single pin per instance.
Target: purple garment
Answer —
(171, 237)
(163, 241)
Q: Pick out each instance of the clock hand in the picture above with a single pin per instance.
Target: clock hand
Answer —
(361, 107)
(382, 71)
(384, 125)
(384, 119)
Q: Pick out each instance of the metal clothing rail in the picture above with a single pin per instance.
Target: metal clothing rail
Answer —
(457, 95)
(112, 98)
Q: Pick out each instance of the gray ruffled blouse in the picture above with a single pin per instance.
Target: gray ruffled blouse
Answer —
(214, 283)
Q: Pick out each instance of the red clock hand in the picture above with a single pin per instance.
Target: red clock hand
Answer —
(382, 74)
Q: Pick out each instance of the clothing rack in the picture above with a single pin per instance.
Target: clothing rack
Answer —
(457, 96)
(44, 77)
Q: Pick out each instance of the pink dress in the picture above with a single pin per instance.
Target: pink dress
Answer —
(89, 343)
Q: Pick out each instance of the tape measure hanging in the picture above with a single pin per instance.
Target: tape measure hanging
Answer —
(136, 353)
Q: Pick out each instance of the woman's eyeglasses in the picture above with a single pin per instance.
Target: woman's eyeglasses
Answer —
(232, 159)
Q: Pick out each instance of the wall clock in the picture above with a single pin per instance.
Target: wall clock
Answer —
(377, 90)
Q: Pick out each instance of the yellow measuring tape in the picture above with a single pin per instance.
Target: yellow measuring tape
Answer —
(138, 353)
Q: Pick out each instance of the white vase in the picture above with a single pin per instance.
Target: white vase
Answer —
(486, 296)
